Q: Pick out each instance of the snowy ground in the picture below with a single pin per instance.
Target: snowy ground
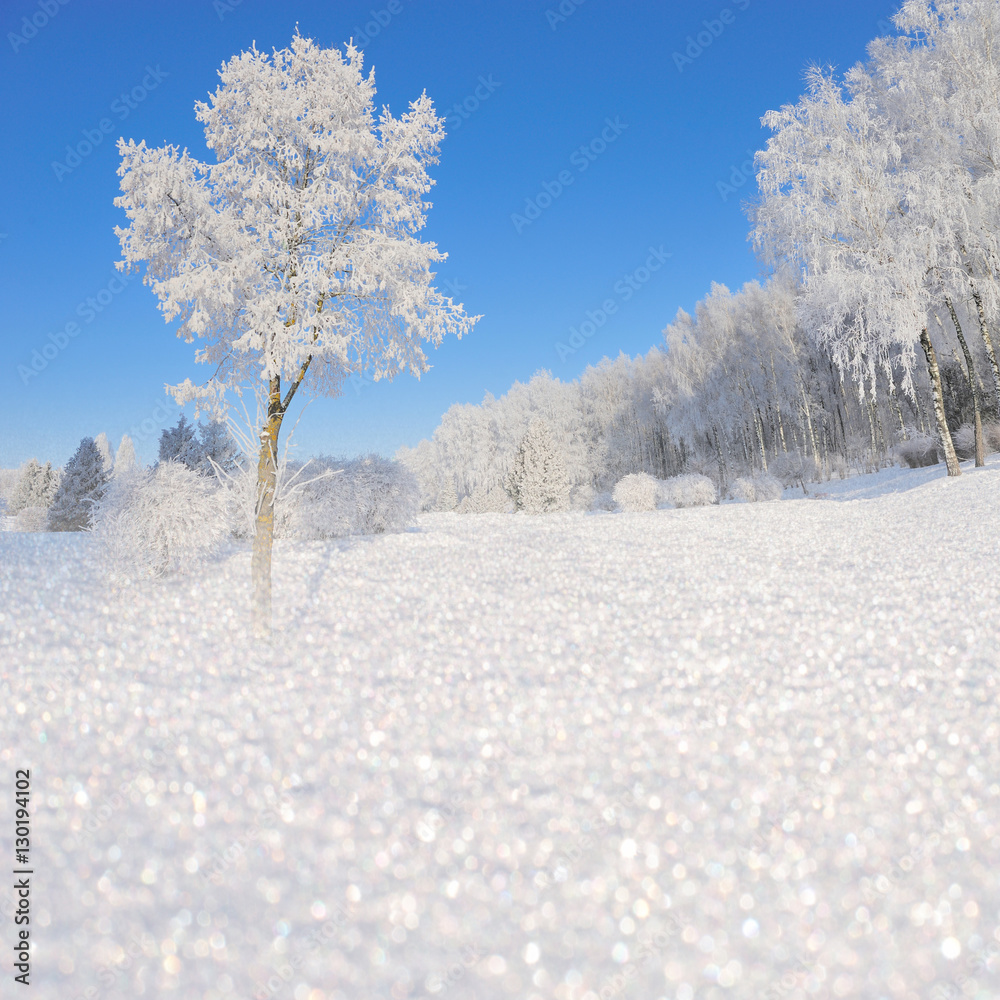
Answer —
(741, 751)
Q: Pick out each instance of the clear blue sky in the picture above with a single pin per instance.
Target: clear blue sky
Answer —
(654, 185)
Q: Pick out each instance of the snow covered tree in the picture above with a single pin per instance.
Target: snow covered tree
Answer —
(126, 463)
(295, 255)
(841, 201)
(218, 449)
(28, 489)
(36, 487)
(447, 495)
(180, 444)
(82, 485)
(104, 447)
(538, 482)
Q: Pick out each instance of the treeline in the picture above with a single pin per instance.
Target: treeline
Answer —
(878, 211)
(736, 389)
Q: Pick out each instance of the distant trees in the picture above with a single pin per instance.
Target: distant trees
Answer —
(201, 447)
(36, 487)
(879, 211)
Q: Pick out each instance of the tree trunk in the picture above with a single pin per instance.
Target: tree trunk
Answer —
(973, 385)
(988, 341)
(951, 459)
(263, 538)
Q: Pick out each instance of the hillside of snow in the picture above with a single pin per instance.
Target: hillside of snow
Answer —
(687, 754)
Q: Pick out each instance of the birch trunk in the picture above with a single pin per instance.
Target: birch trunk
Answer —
(263, 538)
(988, 341)
(973, 385)
(951, 459)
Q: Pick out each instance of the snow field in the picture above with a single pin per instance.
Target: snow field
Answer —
(735, 751)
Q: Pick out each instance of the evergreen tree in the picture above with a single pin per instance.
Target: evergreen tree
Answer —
(82, 484)
(125, 461)
(50, 485)
(36, 487)
(538, 482)
(180, 444)
(103, 445)
(28, 491)
(447, 495)
(217, 447)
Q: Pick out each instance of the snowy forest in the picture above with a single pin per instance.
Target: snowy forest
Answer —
(873, 342)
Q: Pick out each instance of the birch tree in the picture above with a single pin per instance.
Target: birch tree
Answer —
(839, 202)
(294, 256)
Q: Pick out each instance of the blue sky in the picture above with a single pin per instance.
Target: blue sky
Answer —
(550, 79)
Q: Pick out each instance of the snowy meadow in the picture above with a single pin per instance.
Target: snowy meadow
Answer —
(674, 678)
(723, 751)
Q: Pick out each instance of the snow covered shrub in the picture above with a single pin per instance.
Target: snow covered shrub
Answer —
(991, 437)
(31, 519)
(921, 450)
(158, 521)
(689, 490)
(742, 489)
(483, 501)
(582, 497)
(538, 483)
(603, 501)
(363, 496)
(760, 488)
(795, 469)
(965, 441)
(636, 492)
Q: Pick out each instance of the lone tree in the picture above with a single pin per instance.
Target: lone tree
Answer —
(294, 256)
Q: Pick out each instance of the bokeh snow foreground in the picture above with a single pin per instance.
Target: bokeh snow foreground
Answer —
(747, 750)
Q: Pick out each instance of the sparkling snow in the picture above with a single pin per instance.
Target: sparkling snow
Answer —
(712, 752)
